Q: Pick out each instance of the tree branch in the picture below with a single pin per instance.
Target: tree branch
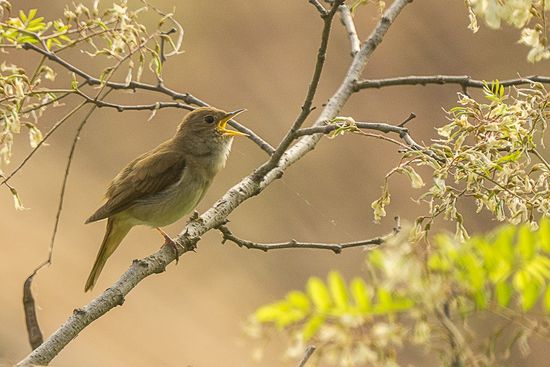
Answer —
(249, 186)
(462, 80)
(159, 88)
(320, 8)
(403, 132)
(306, 107)
(307, 355)
(265, 146)
(347, 20)
(334, 247)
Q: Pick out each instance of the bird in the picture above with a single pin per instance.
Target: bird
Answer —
(162, 185)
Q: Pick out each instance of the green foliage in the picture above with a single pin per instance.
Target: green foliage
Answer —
(489, 152)
(410, 295)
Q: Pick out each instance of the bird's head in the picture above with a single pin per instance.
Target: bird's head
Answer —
(208, 123)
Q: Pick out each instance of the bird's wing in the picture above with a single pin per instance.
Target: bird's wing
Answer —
(147, 175)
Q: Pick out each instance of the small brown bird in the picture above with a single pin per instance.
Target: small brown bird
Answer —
(162, 185)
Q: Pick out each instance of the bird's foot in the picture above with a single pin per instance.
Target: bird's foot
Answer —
(171, 243)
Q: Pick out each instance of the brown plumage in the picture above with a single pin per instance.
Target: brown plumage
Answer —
(164, 184)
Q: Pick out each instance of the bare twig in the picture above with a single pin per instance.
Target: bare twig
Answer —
(309, 351)
(320, 8)
(461, 345)
(403, 132)
(347, 20)
(33, 328)
(265, 146)
(293, 244)
(143, 107)
(46, 136)
(312, 89)
(248, 187)
(463, 80)
(159, 88)
(66, 175)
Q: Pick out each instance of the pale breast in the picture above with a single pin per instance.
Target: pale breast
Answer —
(173, 203)
(181, 198)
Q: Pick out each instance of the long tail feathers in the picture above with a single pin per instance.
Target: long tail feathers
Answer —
(114, 234)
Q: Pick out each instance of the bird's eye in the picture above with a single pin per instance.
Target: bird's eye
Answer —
(209, 119)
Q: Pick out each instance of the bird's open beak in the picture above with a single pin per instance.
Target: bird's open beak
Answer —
(222, 125)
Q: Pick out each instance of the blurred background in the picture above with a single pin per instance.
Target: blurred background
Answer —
(257, 55)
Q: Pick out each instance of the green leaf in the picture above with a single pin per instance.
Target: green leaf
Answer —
(298, 300)
(414, 177)
(526, 242)
(312, 326)
(529, 296)
(361, 294)
(512, 157)
(521, 280)
(547, 300)
(504, 293)
(544, 234)
(338, 290)
(319, 293)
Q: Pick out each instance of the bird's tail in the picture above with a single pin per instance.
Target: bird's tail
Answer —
(116, 230)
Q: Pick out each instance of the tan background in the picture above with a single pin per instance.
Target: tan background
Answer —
(258, 55)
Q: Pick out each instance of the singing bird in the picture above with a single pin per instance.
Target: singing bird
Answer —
(161, 186)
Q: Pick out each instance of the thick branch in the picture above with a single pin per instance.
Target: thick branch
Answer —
(249, 186)
(462, 80)
(334, 247)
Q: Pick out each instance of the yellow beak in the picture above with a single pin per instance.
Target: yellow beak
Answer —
(222, 125)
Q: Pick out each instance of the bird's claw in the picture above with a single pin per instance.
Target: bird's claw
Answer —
(174, 245)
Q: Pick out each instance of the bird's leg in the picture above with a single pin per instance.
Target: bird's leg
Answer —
(170, 242)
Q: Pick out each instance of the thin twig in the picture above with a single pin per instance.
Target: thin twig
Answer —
(312, 89)
(33, 327)
(293, 244)
(176, 24)
(463, 80)
(320, 8)
(143, 107)
(159, 88)
(309, 351)
(458, 338)
(347, 20)
(403, 132)
(262, 144)
(539, 156)
(46, 136)
(76, 138)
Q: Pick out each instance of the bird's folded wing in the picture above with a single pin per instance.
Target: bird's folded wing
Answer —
(147, 175)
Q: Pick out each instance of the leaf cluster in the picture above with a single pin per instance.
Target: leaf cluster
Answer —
(488, 152)
(527, 15)
(115, 36)
(427, 297)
